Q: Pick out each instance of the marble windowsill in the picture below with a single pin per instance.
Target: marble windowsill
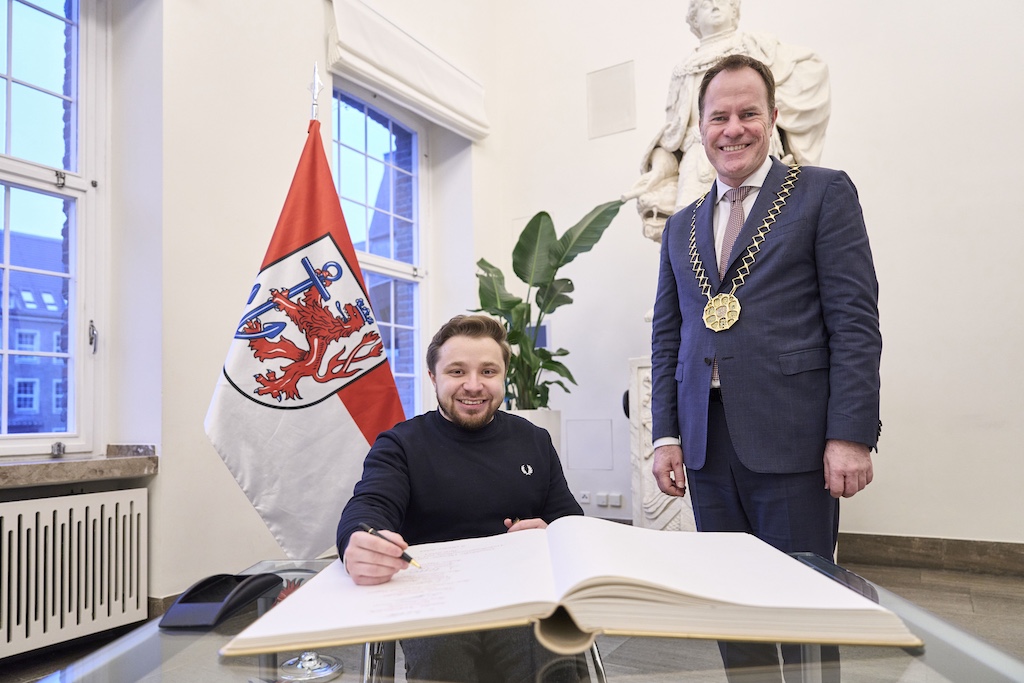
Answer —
(120, 462)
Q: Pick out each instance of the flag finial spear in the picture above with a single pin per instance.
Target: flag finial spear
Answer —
(315, 87)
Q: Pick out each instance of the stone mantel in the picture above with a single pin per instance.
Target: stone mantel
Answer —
(120, 462)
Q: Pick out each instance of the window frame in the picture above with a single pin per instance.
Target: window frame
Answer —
(86, 188)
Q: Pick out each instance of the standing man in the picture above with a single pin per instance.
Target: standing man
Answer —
(675, 171)
(465, 470)
(765, 358)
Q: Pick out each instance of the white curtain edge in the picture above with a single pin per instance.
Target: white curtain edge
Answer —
(375, 54)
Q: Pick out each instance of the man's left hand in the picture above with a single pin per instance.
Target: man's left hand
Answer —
(847, 467)
(520, 524)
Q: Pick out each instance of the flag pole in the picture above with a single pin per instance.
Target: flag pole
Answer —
(315, 87)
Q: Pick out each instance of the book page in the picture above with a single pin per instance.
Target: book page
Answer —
(724, 567)
(457, 578)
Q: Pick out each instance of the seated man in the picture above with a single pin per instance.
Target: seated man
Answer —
(465, 470)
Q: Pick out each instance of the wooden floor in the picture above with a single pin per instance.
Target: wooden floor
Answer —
(990, 607)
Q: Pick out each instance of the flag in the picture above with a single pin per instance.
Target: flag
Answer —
(306, 386)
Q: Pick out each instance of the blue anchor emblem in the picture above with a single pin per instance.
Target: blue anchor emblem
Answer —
(331, 272)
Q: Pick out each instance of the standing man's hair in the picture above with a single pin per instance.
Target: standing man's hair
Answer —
(735, 63)
(468, 326)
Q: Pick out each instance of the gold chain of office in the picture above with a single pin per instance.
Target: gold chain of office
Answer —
(723, 310)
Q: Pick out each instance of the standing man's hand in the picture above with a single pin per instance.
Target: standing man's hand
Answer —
(847, 467)
(668, 470)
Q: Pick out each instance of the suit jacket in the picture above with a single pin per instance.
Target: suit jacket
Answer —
(801, 365)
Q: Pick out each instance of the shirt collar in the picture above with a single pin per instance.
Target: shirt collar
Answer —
(756, 179)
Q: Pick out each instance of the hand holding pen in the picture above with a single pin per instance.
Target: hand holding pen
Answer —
(373, 532)
(368, 562)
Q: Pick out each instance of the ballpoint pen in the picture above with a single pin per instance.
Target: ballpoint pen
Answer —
(405, 556)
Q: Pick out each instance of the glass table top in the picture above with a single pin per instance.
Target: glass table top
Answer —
(150, 653)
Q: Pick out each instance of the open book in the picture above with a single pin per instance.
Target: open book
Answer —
(580, 577)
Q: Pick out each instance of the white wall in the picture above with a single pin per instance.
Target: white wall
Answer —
(210, 108)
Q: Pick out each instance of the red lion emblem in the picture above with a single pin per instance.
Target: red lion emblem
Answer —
(321, 328)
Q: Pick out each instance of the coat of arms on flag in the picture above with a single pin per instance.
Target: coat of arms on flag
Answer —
(303, 350)
(306, 385)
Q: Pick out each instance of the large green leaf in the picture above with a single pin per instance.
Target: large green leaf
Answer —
(531, 257)
(554, 294)
(494, 298)
(536, 259)
(584, 235)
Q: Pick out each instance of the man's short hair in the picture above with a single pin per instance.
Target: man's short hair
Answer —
(735, 63)
(469, 326)
(691, 15)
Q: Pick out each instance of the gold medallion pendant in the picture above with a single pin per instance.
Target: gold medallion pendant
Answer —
(722, 312)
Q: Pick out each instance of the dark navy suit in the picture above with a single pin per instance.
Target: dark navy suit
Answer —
(800, 366)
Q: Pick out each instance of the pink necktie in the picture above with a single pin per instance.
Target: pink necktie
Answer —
(732, 228)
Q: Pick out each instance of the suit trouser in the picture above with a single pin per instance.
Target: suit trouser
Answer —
(793, 512)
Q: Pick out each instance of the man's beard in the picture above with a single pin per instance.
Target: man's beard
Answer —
(476, 422)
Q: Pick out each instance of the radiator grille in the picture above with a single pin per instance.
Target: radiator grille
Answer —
(71, 566)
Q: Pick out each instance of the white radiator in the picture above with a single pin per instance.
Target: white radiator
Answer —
(71, 566)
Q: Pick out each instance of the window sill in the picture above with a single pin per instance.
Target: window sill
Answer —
(120, 462)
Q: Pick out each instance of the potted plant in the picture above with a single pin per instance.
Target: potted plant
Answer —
(536, 260)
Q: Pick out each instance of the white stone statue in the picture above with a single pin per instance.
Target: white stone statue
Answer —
(675, 170)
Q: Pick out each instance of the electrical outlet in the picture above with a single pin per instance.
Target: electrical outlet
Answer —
(583, 497)
(602, 500)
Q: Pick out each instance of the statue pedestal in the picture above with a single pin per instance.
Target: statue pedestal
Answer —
(652, 509)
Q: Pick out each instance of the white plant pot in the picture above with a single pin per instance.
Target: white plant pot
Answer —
(550, 420)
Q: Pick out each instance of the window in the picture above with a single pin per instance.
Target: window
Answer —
(26, 340)
(52, 71)
(51, 303)
(26, 397)
(376, 168)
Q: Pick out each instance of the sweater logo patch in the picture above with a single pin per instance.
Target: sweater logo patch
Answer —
(526, 469)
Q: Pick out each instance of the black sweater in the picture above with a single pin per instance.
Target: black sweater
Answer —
(431, 480)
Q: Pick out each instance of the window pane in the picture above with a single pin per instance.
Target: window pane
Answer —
(403, 358)
(403, 148)
(405, 248)
(351, 123)
(404, 194)
(42, 127)
(352, 168)
(40, 44)
(379, 292)
(385, 336)
(3, 227)
(38, 308)
(378, 182)
(407, 392)
(355, 218)
(3, 41)
(379, 144)
(380, 234)
(405, 303)
(40, 230)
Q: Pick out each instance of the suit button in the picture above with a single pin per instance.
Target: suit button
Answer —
(709, 361)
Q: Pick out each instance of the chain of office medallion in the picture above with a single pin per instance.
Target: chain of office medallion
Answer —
(755, 244)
